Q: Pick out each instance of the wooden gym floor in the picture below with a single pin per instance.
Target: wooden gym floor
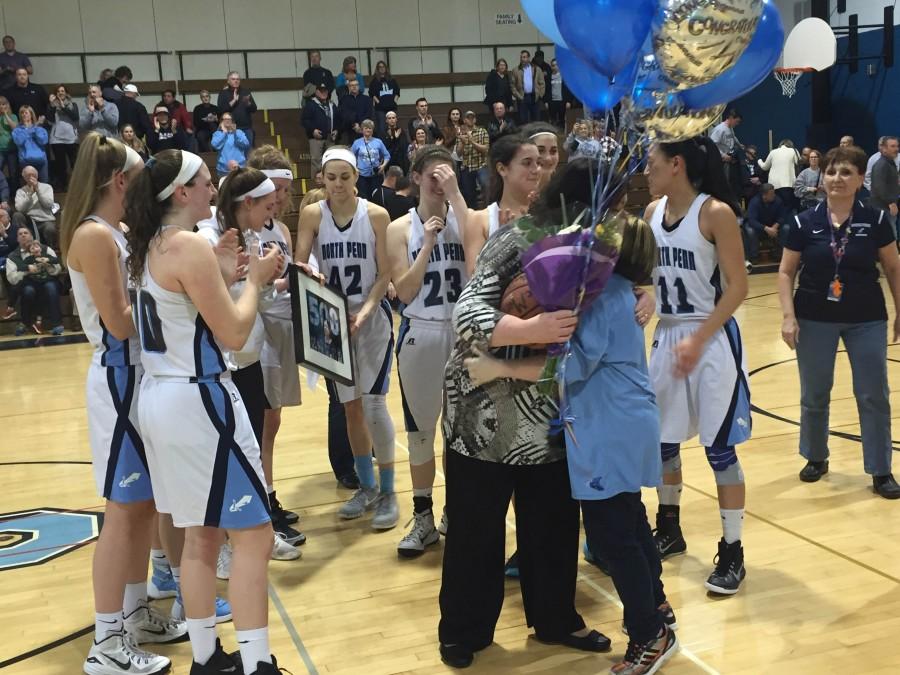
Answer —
(822, 593)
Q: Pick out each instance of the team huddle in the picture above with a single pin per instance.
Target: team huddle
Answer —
(189, 315)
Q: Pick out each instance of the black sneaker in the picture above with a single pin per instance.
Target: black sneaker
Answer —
(280, 513)
(511, 570)
(813, 471)
(668, 536)
(263, 668)
(726, 578)
(886, 486)
(288, 533)
(219, 662)
(457, 656)
(349, 481)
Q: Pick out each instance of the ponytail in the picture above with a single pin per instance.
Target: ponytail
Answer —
(704, 168)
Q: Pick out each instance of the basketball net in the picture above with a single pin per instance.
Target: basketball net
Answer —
(788, 78)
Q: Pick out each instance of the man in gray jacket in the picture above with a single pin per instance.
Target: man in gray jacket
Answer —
(885, 180)
(99, 114)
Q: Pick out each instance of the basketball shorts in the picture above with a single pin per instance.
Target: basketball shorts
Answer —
(119, 460)
(202, 453)
(281, 376)
(714, 400)
(373, 351)
(423, 348)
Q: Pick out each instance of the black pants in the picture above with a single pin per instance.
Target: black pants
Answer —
(557, 111)
(788, 198)
(547, 530)
(468, 185)
(529, 109)
(339, 452)
(617, 529)
(63, 160)
(366, 185)
(249, 383)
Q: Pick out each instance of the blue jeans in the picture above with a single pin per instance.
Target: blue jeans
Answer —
(752, 238)
(529, 110)
(866, 345)
(33, 292)
(10, 159)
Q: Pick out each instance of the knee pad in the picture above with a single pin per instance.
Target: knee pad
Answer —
(421, 447)
(725, 465)
(381, 427)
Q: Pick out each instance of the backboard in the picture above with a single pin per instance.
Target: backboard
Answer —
(811, 44)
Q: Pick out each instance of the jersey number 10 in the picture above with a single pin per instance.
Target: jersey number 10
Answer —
(683, 307)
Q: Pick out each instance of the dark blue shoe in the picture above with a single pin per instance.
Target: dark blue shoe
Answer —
(512, 566)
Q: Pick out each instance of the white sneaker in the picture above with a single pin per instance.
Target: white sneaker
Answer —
(421, 535)
(117, 654)
(223, 564)
(387, 513)
(281, 550)
(362, 500)
(146, 624)
(442, 526)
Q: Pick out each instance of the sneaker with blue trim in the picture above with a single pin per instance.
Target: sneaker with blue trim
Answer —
(223, 610)
(161, 584)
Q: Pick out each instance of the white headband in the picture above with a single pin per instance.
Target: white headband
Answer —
(542, 133)
(279, 173)
(339, 153)
(190, 165)
(261, 190)
(131, 159)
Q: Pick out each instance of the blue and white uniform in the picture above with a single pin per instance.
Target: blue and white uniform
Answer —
(202, 453)
(714, 400)
(346, 255)
(426, 334)
(114, 376)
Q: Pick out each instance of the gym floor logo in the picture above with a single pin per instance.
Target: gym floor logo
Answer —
(37, 536)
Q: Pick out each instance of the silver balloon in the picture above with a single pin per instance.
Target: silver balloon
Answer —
(670, 123)
(698, 40)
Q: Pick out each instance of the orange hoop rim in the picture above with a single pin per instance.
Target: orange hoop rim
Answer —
(805, 69)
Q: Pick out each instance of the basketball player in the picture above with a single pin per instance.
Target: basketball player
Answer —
(93, 242)
(697, 363)
(349, 235)
(544, 136)
(515, 176)
(201, 451)
(429, 272)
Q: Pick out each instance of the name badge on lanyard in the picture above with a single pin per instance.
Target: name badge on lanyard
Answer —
(838, 247)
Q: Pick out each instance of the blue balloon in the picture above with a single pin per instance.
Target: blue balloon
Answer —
(541, 14)
(754, 65)
(594, 89)
(605, 33)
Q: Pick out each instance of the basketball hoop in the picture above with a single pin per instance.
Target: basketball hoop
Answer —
(788, 78)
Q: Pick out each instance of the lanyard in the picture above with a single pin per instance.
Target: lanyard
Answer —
(838, 246)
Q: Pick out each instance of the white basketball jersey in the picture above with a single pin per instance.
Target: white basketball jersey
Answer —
(347, 256)
(493, 210)
(175, 339)
(445, 276)
(272, 235)
(108, 351)
(686, 277)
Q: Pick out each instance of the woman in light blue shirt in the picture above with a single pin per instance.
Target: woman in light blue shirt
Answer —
(372, 158)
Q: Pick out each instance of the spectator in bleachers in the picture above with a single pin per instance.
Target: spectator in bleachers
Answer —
(752, 177)
(847, 142)
(500, 124)
(63, 118)
(528, 88)
(105, 74)
(4, 193)
(396, 141)
(581, 142)
(179, 115)
(322, 123)
(867, 181)
(372, 158)
(36, 283)
(497, 87)
(24, 92)
(809, 188)
(781, 164)
(474, 145)
(232, 145)
(113, 87)
(420, 140)
(98, 114)
(384, 91)
(348, 74)
(8, 244)
(239, 102)
(804, 158)
(165, 133)
(386, 189)
(206, 121)
(31, 141)
(353, 109)
(316, 194)
(767, 216)
(316, 75)
(133, 141)
(450, 135)
(9, 154)
(885, 183)
(11, 61)
(35, 208)
(423, 120)
(539, 62)
(132, 111)
(559, 97)
(402, 199)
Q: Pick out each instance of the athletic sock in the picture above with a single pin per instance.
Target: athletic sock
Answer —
(670, 495)
(422, 502)
(732, 524)
(106, 624)
(365, 471)
(254, 646)
(176, 576)
(134, 594)
(159, 560)
(203, 638)
(386, 480)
